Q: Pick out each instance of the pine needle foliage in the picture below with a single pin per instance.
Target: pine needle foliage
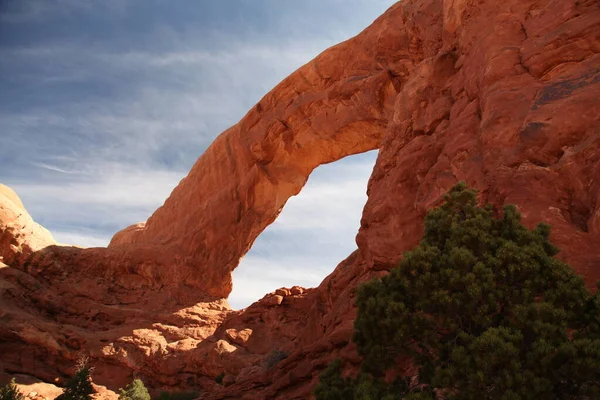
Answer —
(134, 391)
(331, 385)
(79, 387)
(10, 391)
(481, 309)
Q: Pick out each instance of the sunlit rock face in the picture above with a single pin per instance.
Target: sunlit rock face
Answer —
(20, 236)
(503, 95)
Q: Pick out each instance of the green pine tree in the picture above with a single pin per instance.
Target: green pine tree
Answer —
(134, 391)
(10, 391)
(79, 387)
(331, 385)
(483, 310)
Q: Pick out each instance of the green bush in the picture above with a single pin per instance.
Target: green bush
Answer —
(332, 386)
(134, 391)
(10, 391)
(480, 309)
(219, 378)
(79, 386)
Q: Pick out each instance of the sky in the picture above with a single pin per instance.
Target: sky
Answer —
(106, 104)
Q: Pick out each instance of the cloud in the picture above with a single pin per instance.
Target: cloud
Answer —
(87, 212)
(184, 100)
(29, 11)
(81, 239)
(52, 168)
(314, 232)
(111, 187)
(327, 204)
(260, 276)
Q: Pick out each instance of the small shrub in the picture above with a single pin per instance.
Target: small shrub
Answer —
(134, 391)
(219, 378)
(332, 386)
(79, 387)
(274, 358)
(10, 391)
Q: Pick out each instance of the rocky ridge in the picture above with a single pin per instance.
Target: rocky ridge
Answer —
(502, 95)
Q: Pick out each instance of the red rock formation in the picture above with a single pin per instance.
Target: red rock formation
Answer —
(20, 236)
(337, 105)
(503, 95)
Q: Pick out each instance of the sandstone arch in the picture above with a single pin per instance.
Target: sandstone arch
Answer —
(323, 112)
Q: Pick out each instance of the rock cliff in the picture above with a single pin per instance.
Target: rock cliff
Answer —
(503, 95)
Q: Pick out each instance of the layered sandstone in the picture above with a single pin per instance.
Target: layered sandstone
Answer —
(503, 95)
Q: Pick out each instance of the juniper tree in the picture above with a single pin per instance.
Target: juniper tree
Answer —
(10, 391)
(134, 391)
(79, 386)
(331, 385)
(482, 310)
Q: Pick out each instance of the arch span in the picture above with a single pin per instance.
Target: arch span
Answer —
(336, 105)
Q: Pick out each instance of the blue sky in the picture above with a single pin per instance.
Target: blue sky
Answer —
(106, 104)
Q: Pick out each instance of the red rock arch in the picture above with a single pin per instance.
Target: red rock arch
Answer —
(336, 105)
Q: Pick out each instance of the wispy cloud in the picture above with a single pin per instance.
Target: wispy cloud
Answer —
(52, 168)
(187, 98)
(313, 233)
(87, 212)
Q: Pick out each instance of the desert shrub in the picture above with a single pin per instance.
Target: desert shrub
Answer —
(79, 386)
(274, 357)
(10, 391)
(134, 391)
(332, 386)
(480, 309)
(219, 378)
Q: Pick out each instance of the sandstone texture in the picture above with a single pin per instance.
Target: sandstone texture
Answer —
(20, 236)
(504, 95)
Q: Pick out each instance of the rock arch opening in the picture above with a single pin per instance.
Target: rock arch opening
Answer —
(323, 112)
(313, 233)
